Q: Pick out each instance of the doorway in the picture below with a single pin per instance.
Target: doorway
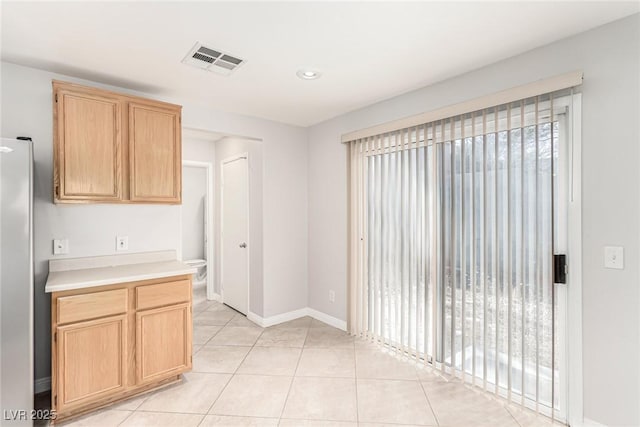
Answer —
(196, 226)
(234, 232)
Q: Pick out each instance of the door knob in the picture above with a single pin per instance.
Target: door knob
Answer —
(243, 245)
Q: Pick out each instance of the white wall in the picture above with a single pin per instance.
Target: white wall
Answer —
(284, 203)
(91, 229)
(609, 57)
(199, 147)
(194, 193)
(226, 148)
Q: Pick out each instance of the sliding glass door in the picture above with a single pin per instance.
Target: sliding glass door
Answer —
(497, 302)
(456, 224)
(400, 212)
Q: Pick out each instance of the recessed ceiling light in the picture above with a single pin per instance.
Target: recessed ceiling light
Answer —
(306, 74)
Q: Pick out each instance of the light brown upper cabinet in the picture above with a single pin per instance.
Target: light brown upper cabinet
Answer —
(115, 148)
(88, 155)
(154, 153)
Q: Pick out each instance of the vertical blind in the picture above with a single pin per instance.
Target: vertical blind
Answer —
(451, 245)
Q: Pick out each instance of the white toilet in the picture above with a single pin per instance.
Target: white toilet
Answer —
(200, 276)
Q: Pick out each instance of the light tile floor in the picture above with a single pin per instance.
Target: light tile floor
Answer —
(303, 373)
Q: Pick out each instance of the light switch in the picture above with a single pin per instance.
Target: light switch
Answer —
(614, 257)
(60, 246)
(122, 243)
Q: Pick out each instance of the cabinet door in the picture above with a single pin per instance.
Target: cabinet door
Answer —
(91, 361)
(87, 147)
(155, 154)
(163, 342)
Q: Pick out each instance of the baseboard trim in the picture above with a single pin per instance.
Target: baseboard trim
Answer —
(256, 319)
(329, 320)
(41, 385)
(265, 322)
(590, 423)
(214, 297)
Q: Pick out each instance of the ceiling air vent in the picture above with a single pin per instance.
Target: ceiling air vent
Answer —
(212, 60)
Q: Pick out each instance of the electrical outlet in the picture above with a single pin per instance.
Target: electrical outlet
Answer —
(60, 246)
(122, 243)
(332, 296)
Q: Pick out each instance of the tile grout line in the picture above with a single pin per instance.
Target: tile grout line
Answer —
(249, 352)
(302, 349)
(228, 380)
(126, 418)
(293, 378)
(217, 332)
(513, 416)
(354, 350)
(202, 420)
(159, 411)
(234, 372)
(429, 403)
(156, 411)
(389, 379)
(355, 374)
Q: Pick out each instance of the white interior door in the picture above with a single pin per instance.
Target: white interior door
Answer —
(235, 233)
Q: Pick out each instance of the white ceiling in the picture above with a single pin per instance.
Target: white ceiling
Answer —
(366, 51)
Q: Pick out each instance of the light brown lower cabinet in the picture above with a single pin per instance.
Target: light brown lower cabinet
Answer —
(92, 360)
(113, 342)
(167, 329)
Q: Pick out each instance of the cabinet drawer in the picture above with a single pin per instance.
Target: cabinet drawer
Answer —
(91, 306)
(167, 293)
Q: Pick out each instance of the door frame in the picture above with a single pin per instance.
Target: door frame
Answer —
(244, 155)
(574, 348)
(209, 215)
(570, 342)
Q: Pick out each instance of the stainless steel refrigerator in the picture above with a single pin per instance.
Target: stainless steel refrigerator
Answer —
(16, 281)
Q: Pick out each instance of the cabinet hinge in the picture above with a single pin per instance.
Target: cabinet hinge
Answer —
(55, 400)
(56, 97)
(55, 337)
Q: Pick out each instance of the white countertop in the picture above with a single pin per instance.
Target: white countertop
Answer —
(68, 274)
